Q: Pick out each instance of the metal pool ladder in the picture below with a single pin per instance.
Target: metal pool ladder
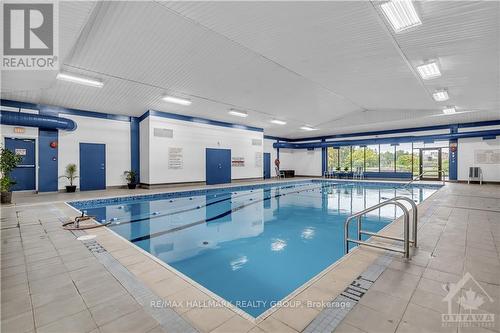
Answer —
(406, 231)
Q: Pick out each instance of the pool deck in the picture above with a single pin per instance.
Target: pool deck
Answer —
(52, 282)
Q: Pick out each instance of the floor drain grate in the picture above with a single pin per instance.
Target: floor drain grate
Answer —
(94, 246)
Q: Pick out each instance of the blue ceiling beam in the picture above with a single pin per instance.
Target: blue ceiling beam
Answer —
(391, 140)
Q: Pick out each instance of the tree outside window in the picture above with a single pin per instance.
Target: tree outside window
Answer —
(371, 158)
(345, 158)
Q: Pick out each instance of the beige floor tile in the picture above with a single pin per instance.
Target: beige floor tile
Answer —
(20, 323)
(56, 310)
(113, 309)
(385, 303)
(343, 327)
(296, 318)
(187, 298)
(167, 287)
(424, 318)
(273, 325)
(81, 322)
(207, 319)
(235, 324)
(138, 321)
(370, 320)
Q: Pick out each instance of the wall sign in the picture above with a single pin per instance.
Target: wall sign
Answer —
(20, 152)
(175, 158)
(487, 156)
(238, 162)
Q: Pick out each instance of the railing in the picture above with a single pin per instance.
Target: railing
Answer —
(406, 230)
(441, 172)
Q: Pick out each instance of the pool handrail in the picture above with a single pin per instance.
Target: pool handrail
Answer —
(406, 230)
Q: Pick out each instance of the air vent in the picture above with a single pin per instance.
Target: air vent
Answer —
(256, 142)
(163, 132)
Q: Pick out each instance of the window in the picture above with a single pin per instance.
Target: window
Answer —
(371, 158)
(333, 158)
(445, 161)
(387, 158)
(345, 158)
(358, 157)
(404, 157)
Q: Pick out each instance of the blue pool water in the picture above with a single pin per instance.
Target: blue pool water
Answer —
(250, 245)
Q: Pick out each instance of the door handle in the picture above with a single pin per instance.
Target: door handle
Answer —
(26, 166)
(220, 166)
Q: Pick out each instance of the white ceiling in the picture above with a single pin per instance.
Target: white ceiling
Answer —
(335, 65)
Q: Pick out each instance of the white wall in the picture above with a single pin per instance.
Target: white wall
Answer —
(304, 162)
(466, 148)
(114, 134)
(194, 138)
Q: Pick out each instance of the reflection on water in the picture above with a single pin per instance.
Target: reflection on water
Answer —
(270, 240)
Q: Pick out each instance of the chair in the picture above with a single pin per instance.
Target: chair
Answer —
(279, 173)
(359, 173)
(475, 174)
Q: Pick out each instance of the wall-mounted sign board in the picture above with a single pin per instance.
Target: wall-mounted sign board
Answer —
(175, 158)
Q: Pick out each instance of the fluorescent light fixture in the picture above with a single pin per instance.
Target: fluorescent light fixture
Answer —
(429, 71)
(308, 128)
(80, 80)
(401, 14)
(177, 100)
(440, 95)
(238, 113)
(278, 122)
(449, 110)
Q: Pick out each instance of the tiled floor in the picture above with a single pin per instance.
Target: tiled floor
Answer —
(52, 283)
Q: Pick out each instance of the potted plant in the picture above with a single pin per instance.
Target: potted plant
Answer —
(346, 169)
(8, 161)
(70, 174)
(338, 169)
(131, 176)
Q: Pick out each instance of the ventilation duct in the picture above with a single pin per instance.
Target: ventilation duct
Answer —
(36, 120)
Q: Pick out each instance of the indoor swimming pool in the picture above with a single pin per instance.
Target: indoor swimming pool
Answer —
(251, 245)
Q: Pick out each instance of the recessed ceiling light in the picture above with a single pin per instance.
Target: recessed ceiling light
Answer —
(440, 95)
(177, 100)
(401, 14)
(238, 113)
(80, 80)
(449, 110)
(429, 71)
(308, 128)
(278, 122)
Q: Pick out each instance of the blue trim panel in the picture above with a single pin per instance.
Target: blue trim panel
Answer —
(55, 110)
(197, 120)
(270, 137)
(453, 162)
(400, 139)
(135, 164)
(47, 161)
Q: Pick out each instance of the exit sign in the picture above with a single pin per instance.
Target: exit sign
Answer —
(19, 130)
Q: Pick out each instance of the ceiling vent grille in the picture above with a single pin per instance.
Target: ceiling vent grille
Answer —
(163, 132)
(256, 142)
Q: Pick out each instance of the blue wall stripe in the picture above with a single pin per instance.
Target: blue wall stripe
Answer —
(135, 164)
(197, 120)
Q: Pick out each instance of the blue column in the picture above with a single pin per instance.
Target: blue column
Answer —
(135, 164)
(453, 171)
(277, 151)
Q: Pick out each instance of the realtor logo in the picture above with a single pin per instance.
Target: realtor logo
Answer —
(29, 36)
(470, 296)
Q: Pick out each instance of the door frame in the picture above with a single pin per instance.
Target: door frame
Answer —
(80, 164)
(264, 165)
(26, 137)
(439, 173)
(207, 150)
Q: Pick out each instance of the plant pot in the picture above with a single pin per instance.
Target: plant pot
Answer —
(71, 189)
(131, 186)
(6, 197)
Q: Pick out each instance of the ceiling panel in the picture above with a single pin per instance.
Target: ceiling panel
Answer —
(335, 65)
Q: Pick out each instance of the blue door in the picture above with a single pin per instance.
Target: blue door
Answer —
(92, 166)
(218, 166)
(25, 173)
(267, 165)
